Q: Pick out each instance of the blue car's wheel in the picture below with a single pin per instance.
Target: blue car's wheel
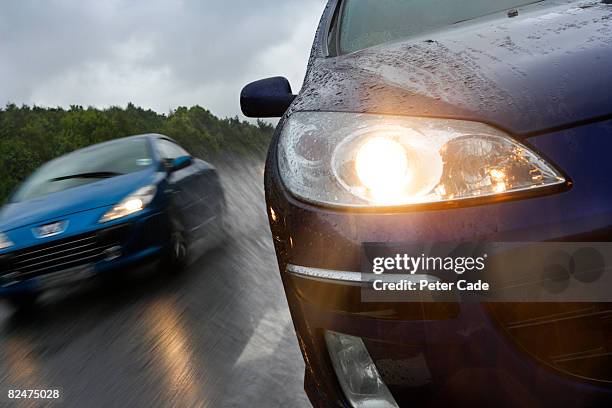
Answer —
(179, 249)
(177, 255)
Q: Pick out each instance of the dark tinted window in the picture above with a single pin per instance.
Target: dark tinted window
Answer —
(86, 166)
(365, 23)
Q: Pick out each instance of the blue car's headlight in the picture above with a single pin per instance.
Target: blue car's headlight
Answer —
(363, 160)
(5, 242)
(135, 202)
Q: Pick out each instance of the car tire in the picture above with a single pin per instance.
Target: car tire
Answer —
(177, 255)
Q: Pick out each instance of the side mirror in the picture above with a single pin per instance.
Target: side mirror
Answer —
(267, 98)
(179, 163)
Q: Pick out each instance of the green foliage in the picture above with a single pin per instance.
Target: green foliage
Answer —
(30, 136)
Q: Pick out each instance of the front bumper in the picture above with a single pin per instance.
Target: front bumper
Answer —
(466, 355)
(84, 254)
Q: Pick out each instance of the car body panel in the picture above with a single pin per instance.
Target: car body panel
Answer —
(544, 77)
(98, 194)
(333, 239)
(195, 195)
(539, 71)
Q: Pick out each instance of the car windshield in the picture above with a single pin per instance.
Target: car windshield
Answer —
(365, 23)
(86, 166)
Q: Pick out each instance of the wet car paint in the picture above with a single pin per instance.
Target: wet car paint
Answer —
(541, 70)
(310, 236)
(544, 73)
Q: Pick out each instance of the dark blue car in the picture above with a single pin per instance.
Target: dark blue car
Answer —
(443, 122)
(105, 207)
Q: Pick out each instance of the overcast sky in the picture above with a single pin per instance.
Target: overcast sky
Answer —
(159, 54)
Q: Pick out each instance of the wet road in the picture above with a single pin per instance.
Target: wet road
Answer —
(217, 335)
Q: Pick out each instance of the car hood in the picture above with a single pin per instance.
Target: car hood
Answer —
(98, 194)
(548, 67)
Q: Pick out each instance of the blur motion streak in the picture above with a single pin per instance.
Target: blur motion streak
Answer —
(217, 335)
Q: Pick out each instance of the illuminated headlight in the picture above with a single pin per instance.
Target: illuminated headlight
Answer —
(362, 160)
(5, 242)
(356, 372)
(133, 203)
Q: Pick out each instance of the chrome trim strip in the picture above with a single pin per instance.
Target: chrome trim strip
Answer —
(51, 254)
(27, 253)
(52, 261)
(353, 278)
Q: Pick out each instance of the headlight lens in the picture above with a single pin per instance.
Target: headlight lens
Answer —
(5, 242)
(361, 160)
(133, 203)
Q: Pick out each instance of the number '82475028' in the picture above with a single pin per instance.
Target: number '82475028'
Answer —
(34, 394)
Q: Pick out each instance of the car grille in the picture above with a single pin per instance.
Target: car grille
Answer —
(61, 254)
(573, 338)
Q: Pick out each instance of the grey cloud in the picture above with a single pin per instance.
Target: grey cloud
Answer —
(155, 53)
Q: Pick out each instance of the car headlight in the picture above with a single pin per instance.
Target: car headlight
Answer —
(365, 160)
(132, 204)
(5, 242)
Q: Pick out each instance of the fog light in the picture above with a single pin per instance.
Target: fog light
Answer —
(356, 372)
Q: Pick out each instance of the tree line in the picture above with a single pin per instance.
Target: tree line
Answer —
(31, 136)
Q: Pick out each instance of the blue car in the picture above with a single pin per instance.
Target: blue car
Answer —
(105, 207)
(424, 122)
